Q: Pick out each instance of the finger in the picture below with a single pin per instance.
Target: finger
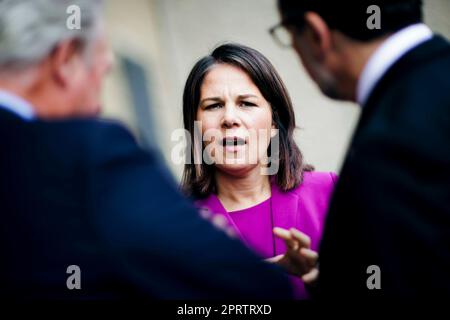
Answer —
(310, 256)
(311, 276)
(282, 233)
(305, 241)
(220, 222)
(287, 237)
(205, 213)
(231, 232)
(274, 259)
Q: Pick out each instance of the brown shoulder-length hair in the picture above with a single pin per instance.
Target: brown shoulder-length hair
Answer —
(198, 179)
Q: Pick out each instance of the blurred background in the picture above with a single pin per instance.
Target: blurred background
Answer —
(157, 42)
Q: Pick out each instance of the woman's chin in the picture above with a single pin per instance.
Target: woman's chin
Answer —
(236, 167)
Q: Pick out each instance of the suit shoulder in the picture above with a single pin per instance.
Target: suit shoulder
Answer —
(88, 138)
(84, 130)
(108, 140)
(96, 132)
(425, 82)
(412, 110)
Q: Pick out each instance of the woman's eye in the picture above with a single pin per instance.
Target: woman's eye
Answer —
(248, 104)
(212, 106)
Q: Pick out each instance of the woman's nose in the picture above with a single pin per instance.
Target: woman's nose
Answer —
(230, 117)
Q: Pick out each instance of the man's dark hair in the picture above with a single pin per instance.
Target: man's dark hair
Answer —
(351, 17)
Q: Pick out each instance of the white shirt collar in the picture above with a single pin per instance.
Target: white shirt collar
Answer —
(17, 105)
(395, 47)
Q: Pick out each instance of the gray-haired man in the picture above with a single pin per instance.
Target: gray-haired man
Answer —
(85, 212)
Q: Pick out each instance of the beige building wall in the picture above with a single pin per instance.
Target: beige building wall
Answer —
(168, 36)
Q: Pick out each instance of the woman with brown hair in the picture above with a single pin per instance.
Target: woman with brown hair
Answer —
(250, 170)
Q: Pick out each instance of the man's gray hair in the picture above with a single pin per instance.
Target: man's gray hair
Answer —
(31, 29)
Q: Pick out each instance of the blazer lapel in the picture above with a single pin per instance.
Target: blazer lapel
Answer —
(284, 211)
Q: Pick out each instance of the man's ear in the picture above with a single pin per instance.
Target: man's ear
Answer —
(63, 61)
(319, 34)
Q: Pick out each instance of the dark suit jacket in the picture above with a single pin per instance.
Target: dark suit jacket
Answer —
(82, 192)
(391, 207)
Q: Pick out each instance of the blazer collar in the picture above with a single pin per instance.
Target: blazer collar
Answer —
(6, 114)
(16, 105)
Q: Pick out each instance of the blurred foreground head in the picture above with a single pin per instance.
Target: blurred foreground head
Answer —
(334, 40)
(54, 54)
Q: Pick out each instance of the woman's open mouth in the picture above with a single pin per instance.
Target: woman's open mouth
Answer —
(233, 144)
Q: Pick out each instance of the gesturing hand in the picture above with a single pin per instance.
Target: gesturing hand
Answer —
(299, 259)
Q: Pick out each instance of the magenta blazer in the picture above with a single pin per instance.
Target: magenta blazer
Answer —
(304, 208)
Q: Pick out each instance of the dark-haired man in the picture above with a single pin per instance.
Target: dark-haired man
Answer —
(388, 230)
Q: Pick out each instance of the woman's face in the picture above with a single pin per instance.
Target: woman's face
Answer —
(236, 120)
